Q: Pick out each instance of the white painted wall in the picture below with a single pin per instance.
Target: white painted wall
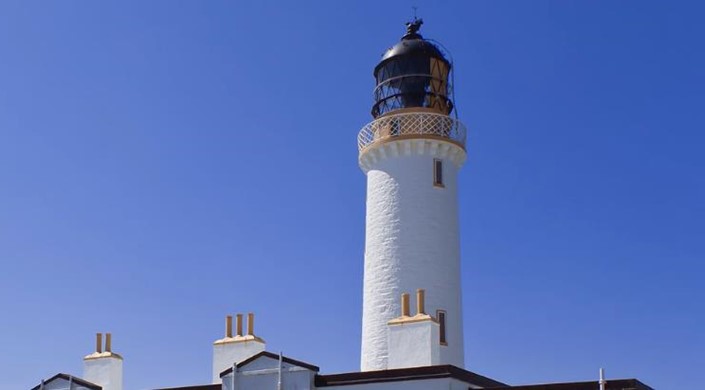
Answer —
(414, 344)
(411, 241)
(105, 372)
(226, 354)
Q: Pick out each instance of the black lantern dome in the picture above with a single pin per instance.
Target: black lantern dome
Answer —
(414, 73)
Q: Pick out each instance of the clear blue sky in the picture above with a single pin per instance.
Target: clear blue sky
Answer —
(165, 163)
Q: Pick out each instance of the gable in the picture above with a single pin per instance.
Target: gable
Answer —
(267, 360)
(61, 381)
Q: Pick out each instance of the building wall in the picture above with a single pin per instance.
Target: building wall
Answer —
(105, 372)
(414, 344)
(411, 242)
(264, 374)
(227, 354)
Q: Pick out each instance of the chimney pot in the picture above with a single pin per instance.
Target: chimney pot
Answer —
(238, 324)
(250, 324)
(229, 326)
(99, 342)
(108, 342)
(405, 304)
(420, 304)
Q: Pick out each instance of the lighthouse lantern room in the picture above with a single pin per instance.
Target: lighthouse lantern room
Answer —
(413, 74)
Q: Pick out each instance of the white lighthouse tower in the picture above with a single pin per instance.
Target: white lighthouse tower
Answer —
(411, 153)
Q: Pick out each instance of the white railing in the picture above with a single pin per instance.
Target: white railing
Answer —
(412, 124)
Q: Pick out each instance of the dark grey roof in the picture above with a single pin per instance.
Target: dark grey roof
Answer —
(195, 387)
(409, 47)
(612, 384)
(406, 374)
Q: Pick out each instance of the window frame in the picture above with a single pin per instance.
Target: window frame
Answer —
(443, 329)
(438, 173)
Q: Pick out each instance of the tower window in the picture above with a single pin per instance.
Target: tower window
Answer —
(441, 317)
(438, 173)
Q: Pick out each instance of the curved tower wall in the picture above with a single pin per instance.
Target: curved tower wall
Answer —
(411, 240)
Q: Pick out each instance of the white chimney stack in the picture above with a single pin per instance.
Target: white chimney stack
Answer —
(413, 341)
(234, 349)
(103, 367)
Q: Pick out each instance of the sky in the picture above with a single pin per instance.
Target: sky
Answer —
(166, 163)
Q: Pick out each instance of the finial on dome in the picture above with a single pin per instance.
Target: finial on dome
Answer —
(412, 29)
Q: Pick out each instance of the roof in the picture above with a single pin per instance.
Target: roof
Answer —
(271, 356)
(406, 374)
(407, 47)
(614, 384)
(71, 378)
(216, 386)
(427, 372)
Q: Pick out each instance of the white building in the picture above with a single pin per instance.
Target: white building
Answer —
(411, 153)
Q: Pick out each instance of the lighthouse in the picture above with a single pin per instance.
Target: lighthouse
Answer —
(412, 328)
(411, 153)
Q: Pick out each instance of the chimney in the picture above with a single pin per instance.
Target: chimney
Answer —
(103, 367)
(413, 341)
(234, 349)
